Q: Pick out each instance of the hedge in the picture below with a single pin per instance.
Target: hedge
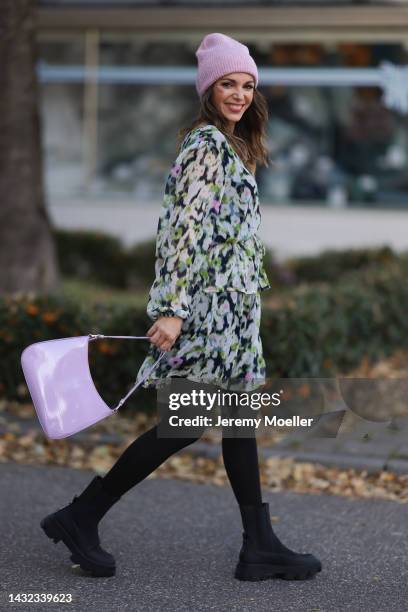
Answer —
(330, 265)
(317, 332)
(91, 255)
(328, 329)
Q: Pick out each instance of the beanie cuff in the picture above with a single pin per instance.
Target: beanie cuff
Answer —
(219, 55)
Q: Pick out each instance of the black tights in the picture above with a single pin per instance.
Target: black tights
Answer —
(148, 451)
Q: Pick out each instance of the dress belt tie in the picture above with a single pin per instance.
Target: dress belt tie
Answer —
(232, 240)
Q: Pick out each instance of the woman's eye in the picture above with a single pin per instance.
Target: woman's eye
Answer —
(247, 86)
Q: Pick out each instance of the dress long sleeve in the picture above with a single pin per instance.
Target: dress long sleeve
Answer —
(193, 195)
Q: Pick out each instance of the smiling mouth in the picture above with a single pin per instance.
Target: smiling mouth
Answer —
(235, 107)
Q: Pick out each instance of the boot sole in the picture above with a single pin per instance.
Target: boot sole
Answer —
(56, 532)
(259, 571)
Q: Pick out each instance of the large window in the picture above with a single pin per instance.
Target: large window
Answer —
(62, 105)
(330, 145)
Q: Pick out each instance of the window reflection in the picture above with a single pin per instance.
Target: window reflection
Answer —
(333, 146)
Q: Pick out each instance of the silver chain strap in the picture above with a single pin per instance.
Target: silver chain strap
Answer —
(136, 385)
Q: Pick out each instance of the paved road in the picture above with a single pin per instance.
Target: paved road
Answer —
(176, 545)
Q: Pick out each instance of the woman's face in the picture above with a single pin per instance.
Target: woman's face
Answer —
(232, 95)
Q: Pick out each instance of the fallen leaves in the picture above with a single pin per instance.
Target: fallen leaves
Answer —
(100, 446)
(394, 366)
(277, 473)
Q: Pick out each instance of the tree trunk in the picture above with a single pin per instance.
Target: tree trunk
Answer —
(27, 252)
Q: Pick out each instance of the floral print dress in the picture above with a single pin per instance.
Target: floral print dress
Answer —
(209, 267)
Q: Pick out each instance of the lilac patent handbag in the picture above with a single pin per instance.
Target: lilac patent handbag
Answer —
(61, 386)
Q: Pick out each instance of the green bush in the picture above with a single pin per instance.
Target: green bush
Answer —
(327, 329)
(95, 256)
(279, 274)
(319, 331)
(331, 265)
(140, 264)
(114, 363)
(91, 255)
(98, 257)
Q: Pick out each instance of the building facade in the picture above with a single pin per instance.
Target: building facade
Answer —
(117, 82)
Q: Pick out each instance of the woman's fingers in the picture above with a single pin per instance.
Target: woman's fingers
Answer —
(161, 338)
(164, 332)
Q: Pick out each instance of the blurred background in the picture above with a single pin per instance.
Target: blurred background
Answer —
(92, 95)
(117, 82)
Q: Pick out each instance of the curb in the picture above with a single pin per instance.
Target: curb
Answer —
(207, 450)
(339, 460)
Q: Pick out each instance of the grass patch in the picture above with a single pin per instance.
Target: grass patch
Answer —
(94, 293)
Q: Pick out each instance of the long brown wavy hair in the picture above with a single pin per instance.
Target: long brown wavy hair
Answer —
(249, 137)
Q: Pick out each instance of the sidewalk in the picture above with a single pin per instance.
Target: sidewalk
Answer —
(176, 545)
(369, 446)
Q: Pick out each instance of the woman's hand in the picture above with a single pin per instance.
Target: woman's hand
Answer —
(165, 331)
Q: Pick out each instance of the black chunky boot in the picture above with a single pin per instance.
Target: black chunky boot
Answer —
(264, 556)
(77, 526)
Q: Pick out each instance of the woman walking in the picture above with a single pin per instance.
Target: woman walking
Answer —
(206, 310)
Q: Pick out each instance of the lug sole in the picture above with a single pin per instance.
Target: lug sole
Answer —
(56, 532)
(260, 571)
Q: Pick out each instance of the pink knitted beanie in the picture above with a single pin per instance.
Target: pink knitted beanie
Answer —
(219, 55)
